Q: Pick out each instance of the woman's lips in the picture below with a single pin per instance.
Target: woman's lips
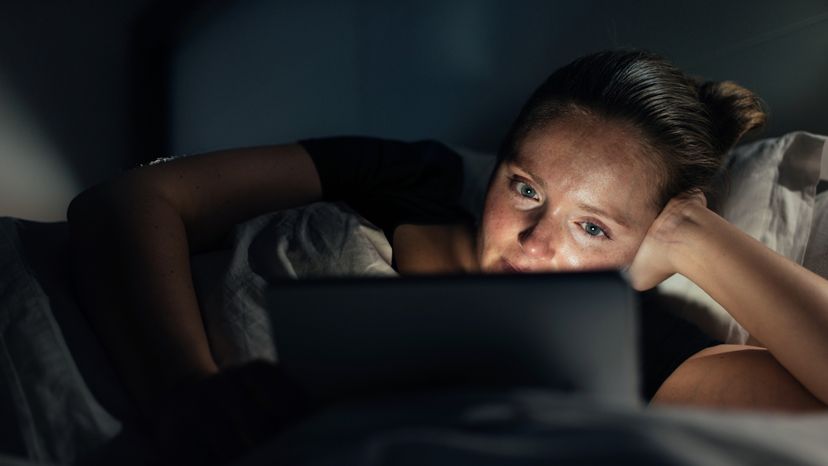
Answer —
(508, 267)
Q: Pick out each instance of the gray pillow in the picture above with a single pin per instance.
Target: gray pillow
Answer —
(770, 193)
(816, 254)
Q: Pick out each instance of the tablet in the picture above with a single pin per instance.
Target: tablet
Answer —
(570, 332)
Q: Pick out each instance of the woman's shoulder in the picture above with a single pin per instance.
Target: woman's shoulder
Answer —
(351, 166)
(391, 182)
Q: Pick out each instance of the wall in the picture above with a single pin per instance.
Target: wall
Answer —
(260, 72)
(64, 101)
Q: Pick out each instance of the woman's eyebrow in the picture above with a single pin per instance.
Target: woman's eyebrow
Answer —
(619, 219)
(535, 178)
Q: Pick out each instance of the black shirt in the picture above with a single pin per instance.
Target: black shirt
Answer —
(392, 182)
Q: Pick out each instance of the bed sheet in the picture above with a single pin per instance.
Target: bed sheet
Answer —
(61, 402)
(523, 427)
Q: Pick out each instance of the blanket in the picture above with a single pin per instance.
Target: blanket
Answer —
(60, 400)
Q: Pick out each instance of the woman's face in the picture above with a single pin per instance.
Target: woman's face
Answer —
(578, 196)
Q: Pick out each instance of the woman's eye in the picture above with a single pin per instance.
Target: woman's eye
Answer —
(592, 229)
(525, 190)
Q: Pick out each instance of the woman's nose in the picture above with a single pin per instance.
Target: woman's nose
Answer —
(539, 241)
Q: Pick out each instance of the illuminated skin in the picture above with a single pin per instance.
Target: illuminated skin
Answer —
(535, 218)
(578, 196)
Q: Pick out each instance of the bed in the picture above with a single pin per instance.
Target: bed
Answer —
(62, 401)
(206, 85)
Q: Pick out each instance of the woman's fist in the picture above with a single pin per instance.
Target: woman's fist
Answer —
(655, 260)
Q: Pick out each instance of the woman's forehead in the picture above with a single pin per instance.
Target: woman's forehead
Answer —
(584, 142)
(602, 165)
(602, 191)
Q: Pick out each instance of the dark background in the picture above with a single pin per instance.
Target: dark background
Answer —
(90, 88)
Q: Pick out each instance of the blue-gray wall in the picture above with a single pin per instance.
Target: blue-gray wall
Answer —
(260, 71)
(256, 71)
(64, 100)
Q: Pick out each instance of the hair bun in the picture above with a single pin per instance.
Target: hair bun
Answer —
(733, 109)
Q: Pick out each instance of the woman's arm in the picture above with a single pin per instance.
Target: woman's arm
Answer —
(132, 238)
(780, 303)
(736, 376)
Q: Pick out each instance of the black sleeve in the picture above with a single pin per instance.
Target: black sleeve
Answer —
(391, 182)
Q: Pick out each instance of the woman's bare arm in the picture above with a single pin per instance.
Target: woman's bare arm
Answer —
(780, 303)
(736, 376)
(132, 238)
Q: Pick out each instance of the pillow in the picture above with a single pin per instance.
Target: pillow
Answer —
(770, 189)
(322, 239)
(816, 254)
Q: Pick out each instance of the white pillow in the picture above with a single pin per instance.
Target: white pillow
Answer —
(816, 254)
(768, 191)
(771, 192)
(322, 239)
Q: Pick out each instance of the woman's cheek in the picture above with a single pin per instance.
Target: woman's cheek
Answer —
(500, 216)
(595, 257)
(572, 261)
(499, 232)
(612, 259)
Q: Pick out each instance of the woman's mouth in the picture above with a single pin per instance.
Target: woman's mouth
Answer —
(507, 266)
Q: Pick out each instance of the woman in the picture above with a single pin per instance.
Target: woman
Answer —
(606, 166)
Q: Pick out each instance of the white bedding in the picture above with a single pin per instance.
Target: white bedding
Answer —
(64, 406)
(51, 406)
(49, 400)
(61, 419)
(321, 239)
(532, 427)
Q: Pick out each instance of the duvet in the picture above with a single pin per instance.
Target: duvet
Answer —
(61, 403)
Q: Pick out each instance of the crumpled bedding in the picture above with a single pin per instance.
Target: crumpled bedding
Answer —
(59, 401)
(47, 412)
(319, 240)
(531, 427)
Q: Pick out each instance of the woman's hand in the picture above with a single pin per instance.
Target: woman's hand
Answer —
(656, 259)
(778, 302)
